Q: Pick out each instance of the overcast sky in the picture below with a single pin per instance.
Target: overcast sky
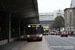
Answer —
(51, 5)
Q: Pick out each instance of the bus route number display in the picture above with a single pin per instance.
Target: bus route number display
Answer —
(35, 26)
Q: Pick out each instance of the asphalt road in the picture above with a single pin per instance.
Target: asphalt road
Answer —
(55, 42)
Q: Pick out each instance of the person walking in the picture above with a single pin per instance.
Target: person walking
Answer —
(72, 33)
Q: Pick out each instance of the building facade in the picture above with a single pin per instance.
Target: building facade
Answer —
(72, 5)
(58, 13)
(46, 23)
(46, 19)
(69, 17)
(46, 16)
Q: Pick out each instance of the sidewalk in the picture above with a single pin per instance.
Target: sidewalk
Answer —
(24, 45)
(13, 45)
(35, 45)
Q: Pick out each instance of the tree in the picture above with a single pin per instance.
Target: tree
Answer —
(58, 22)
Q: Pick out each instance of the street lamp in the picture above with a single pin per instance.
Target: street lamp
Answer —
(70, 19)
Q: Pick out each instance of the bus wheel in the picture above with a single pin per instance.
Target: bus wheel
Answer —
(28, 40)
(41, 39)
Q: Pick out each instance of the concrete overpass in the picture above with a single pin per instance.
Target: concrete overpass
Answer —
(14, 16)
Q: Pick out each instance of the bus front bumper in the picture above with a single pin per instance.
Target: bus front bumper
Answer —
(34, 38)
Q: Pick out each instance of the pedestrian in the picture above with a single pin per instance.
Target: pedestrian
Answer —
(71, 32)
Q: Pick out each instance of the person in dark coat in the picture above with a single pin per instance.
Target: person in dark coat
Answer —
(72, 33)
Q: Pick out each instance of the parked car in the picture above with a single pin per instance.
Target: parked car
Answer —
(64, 34)
(57, 33)
(52, 33)
(45, 33)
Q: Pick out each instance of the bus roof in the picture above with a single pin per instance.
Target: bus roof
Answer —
(34, 24)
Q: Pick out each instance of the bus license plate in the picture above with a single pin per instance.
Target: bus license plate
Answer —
(34, 38)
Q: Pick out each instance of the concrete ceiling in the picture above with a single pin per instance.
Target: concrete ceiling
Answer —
(26, 10)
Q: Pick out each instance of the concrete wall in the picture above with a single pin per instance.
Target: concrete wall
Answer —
(69, 19)
(3, 42)
(6, 40)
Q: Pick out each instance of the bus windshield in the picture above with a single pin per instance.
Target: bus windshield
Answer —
(34, 30)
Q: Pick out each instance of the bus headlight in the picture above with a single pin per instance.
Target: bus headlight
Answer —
(27, 36)
(41, 35)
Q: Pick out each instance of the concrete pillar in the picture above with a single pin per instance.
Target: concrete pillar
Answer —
(8, 26)
(19, 29)
(24, 28)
